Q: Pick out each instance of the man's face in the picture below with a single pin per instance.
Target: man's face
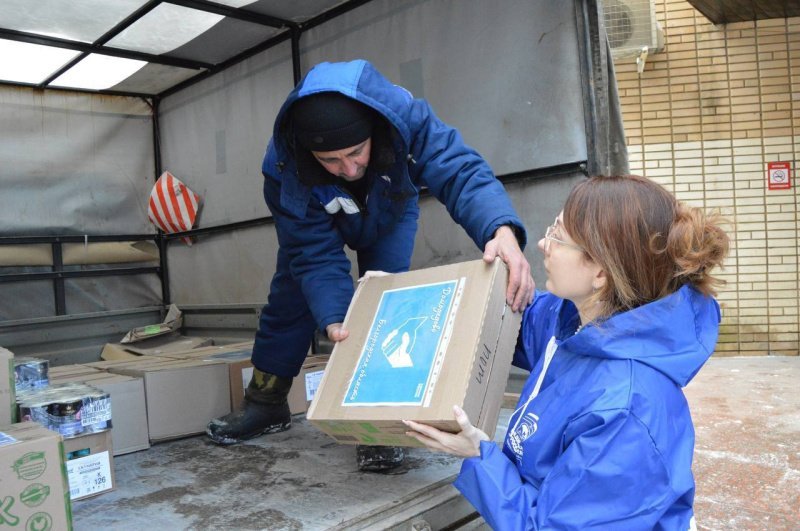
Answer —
(350, 163)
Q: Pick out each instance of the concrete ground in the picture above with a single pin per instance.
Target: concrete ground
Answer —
(746, 412)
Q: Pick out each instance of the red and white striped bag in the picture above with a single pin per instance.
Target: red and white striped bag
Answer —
(173, 206)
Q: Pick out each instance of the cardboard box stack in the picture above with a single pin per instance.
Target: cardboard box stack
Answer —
(420, 342)
(129, 423)
(34, 480)
(81, 414)
(237, 356)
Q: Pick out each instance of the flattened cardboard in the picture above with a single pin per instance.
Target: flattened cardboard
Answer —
(90, 465)
(157, 346)
(172, 322)
(182, 395)
(8, 402)
(128, 407)
(420, 342)
(34, 478)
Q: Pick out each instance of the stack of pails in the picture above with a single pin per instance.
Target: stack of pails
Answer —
(70, 409)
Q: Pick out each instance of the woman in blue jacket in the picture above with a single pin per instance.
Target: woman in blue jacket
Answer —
(349, 154)
(602, 436)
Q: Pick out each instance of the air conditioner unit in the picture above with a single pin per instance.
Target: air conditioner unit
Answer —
(632, 27)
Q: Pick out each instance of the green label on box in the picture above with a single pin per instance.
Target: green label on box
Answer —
(369, 428)
(30, 466)
(152, 329)
(34, 495)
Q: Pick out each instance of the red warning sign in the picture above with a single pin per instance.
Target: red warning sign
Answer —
(779, 175)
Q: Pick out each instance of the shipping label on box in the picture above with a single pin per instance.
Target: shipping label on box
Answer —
(420, 342)
(34, 483)
(403, 356)
(305, 384)
(312, 380)
(89, 476)
(90, 465)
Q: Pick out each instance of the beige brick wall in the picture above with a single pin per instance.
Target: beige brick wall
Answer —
(704, 119)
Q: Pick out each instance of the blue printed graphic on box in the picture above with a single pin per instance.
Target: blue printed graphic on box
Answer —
(405, 346)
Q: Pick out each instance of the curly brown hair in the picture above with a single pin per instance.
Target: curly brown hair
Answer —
(648, 243)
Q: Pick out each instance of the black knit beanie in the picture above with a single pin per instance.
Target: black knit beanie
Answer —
(328, 121)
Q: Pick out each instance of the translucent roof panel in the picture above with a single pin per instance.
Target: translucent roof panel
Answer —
(31, 63)
(77, 20)
(164, 28)
(191, 34)
(98, 72)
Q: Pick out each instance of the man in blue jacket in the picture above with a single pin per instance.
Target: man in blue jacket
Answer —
(349, 154)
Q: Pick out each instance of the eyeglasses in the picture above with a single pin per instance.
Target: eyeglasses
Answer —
(548, 237)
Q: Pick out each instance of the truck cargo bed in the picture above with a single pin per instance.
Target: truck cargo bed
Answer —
(298, 479)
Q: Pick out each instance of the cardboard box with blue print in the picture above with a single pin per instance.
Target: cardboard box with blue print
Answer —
(420, 342)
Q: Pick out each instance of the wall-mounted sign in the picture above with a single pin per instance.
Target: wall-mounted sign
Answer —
(779, 175)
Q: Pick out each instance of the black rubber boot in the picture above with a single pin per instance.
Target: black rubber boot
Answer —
(379, 458)
(265, 410)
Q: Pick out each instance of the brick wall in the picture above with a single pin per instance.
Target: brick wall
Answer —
(703, 119)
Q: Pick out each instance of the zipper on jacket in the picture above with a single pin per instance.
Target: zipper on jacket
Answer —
(361, 208)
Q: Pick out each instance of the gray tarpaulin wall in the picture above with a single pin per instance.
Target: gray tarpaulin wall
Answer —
(511, 75)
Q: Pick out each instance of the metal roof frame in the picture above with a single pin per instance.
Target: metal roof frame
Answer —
(291, 30)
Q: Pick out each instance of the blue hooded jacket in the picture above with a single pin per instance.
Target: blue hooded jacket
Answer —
(607, 442)
(315, 222)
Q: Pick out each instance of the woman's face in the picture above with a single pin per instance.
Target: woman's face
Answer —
(570, 274)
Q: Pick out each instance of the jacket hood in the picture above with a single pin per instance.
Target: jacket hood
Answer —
(355, 79)
(674, 335)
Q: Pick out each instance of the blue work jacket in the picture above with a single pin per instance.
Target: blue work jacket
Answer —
(605, 440)
(315, 222)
